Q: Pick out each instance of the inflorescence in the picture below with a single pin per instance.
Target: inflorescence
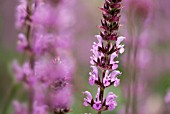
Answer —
(104, 59)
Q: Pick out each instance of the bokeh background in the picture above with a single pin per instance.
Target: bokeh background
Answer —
(150, 20)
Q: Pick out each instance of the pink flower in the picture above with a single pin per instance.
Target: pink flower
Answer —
(116, 82)
(44, 42)
(110, 101)
(113, 77)
(20, 108)
(119, 46)
(93, 75)
(39, 109)
(61, 99)
(97, 103)
(113, 62)
(22, 42)
(88, 98)
(21, 14)
(23, 73)
(106, 79)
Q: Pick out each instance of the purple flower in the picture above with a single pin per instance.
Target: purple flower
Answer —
(92, 79)
(21, 14)
(23, 73)
(93, 59)
(113, 55)
(50, 35)
(99, 38)
(88, 98)
(95, 49)
(106, 79)
(39, 109)
(121, 47)
(46, 70)
(113, 62)
(44, 42)
(61, 99)
(116, 82)
(44, 10)
(97, 103)
(110, 101)
(55, 86)
(93, 75)
(19, 108)
(113, 76)
(22, 42)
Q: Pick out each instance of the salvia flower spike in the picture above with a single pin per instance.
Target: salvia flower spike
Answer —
(104, 58)
(48, 66)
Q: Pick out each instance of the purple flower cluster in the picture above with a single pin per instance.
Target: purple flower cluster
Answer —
(105, 54)
(45, 38)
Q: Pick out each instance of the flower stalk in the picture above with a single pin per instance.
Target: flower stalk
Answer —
(48, 72)
(105, 54)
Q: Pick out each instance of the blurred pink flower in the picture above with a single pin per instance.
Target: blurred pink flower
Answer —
(20, 108)
(46, 40)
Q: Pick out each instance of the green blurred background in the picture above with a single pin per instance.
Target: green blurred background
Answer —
(88, 17)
